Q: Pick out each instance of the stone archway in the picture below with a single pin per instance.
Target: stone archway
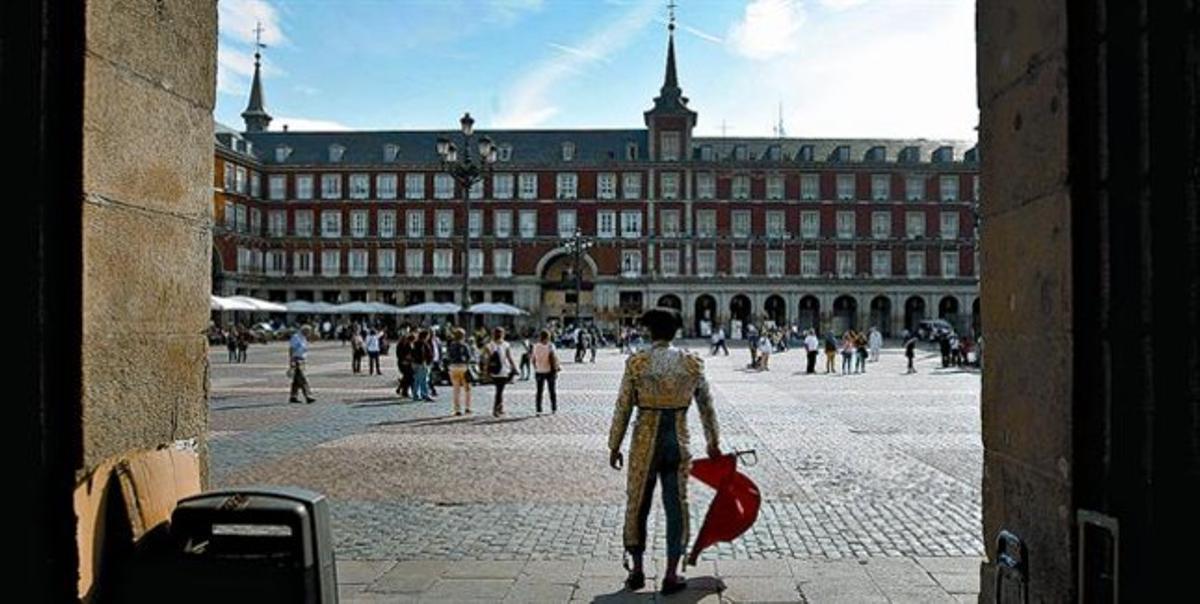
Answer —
(740, 312)
(565, 293)
(775, 309)
(705, 317)
(881, 315)
(948, 310)
(809, 315)
(670, 301)
(845, 314)
(914, 312)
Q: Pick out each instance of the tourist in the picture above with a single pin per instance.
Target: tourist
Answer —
(661, 383)
(500, 367)
(546, 368)
(436, 369)
(875, 341)
(752, 336)
(297, 353)
(404, 362)
(460, 355)
(593, 343)
(526, 359)
(357, 350)
(764, 353)
(373, 349)
(830, 352)
(718, 341)
(861, 353)
(422, 354)
(847, 351)
(910, 345)
(231, 345)
(811, 347)
(243, 343)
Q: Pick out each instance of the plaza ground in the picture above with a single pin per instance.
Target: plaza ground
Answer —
(870, 482)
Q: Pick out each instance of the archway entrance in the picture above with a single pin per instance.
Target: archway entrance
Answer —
(776, 310)
(630, 307)
(948, 310)
(845, 313)
(566, 293)
(914, 312)
(670, 301)
(809, 316)
(706, 315)
(881, 315)
(739, 315)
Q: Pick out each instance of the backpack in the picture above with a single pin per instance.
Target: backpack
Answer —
(495, 364)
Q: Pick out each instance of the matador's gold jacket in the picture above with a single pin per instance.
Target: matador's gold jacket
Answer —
(663, 377)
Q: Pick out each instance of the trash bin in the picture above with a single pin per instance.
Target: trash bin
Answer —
(258, 544)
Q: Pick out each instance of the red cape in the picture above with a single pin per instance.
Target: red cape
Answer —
(733, 510)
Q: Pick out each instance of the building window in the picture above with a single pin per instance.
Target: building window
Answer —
(230, 176)
(385, 186)
(387, 224)
(335, 153)
(476, 190)
(810, 187)
(631, 185)
(304, 186)
(282, 152)
(443, 263)
(949, 264)
(528, 186)
(670, 223)
(810, 225)
(706, 153)
(414, 263)
(914, 224)
(741, 187)
(706, 186)
(631, 263)
(881, 225)
(255, 221)
(331, 263)
(670, 262)
(360, 186)
(566, 223)
(631, 151)
(949, 225)
(914, 188)
(915, 264)
(706, 223)
(607, 185)
(568, 185)
(475, 223)
(385, 263)
(881, 264)
(358, 263)
(414, 186)
(670, 146)
(391, 152)
(706, 263)
(277, 263)
(304, 223)
(358, 223)
(416, 223)
(443, 221)
(528, 224)
(230, 215)
(775, 186)
(277, 223)
(670, 185)
(502, 263)
(505, 152)
(881, 187)
(948, 186)
(331, 224)
(776, 224)
(502, 223)
(740, 153)
(331, 186)
(741, 263)
(775, 263)
(741, 223)
(502, 186)
(810, 263)
(302, 263)
(845, 225)
(277, 185)
(443, 186)
(475, 262)
(606, 224)
(568, 151)
(631, 224)
(845, 187)
(845, 264)
(239, 213)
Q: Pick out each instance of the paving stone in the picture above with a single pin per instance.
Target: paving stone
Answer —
(540, 592)
(352, 572)
(471, 569)
(760, 589)
(463, 590)
(600, 590)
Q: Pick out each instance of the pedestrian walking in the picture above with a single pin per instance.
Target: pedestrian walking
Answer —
(910, 346)
(500, 367)
(718, 341)
(752, 337)
(422, 354)
(460, 354)
(526, 359)
(875, 341)
(373, 350)
(830, 352)
(847, 352)
(546, 368)
(811, 347)
(357, 350)
(764, 353)
(297, 353)
(404, 363)
(231, 345)
(436, 368)
(860, 353)
(243, 343)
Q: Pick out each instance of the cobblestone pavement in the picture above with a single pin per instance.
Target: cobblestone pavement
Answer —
(851, 467)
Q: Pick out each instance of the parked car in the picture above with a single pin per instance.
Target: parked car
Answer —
(930, 329)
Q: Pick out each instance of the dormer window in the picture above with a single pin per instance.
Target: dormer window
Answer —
(774, 153)
(282, 152)
(877, 154)
(505, 152)
(390, 152)
(706, 152)
(805, 153)
(336, 152)
(841, 153)
(568, 151)
(972, 155)
(670, 146)
(943, 155)
(910, 155)
(631, 151)
(741, 153)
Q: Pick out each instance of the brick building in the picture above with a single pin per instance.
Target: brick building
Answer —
(826, 232)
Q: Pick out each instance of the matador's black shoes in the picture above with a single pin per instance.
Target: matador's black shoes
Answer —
(673, 586)
(635, 581)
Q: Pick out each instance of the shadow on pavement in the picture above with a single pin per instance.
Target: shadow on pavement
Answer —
(233, 407)
(698, 588)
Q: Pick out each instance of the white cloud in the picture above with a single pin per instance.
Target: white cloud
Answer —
(509, 11)
(295, 124)
(841, 4)
(768, 29)
(235, 68)
(532, 100)
(579, 52)
(237, 20)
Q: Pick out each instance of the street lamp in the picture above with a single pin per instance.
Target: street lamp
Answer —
(466, 172)
(575, 246)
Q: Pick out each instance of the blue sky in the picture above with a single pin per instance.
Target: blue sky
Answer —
(838, 68)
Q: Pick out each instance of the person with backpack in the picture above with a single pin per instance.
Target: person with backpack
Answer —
(460, 355)
(545, 370)
(500, 367)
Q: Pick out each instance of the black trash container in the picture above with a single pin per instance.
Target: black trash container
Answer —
(258, 544)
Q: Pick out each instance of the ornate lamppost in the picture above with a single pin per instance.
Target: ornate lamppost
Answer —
(575, 246)
(466, 171)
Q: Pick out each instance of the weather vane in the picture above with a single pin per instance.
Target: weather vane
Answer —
(671, 14)
(258, 45)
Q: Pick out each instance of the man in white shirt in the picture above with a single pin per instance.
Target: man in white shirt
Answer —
(718, 341)
(811, 346)
(875, 342)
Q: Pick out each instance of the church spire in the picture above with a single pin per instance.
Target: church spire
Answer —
(256, 117)
(671, 81)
